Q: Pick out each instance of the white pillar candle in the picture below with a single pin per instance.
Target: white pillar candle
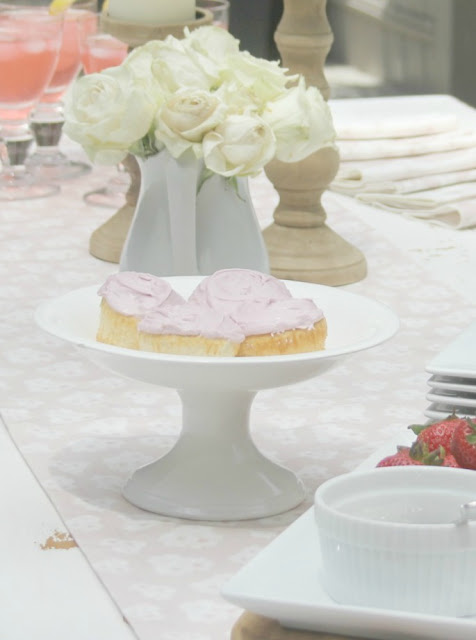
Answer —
(152, 12)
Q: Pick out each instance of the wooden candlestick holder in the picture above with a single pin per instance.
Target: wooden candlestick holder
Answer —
(107, 241)
(300, 244)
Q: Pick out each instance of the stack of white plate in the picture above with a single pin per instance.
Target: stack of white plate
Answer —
(453, 379)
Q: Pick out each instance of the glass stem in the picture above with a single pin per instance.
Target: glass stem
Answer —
(15, 142)
(46, 123)
(47, 134)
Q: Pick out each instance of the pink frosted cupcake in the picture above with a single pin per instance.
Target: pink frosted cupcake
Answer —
(234, 312)
(190, 329)
(228, 289)
(128, 296)
(272, 321)
(281, 327)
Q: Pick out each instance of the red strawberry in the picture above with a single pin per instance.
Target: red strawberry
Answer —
(463, 443)
(437, 434)
(401, 458)
(450, 461)
(417, 454)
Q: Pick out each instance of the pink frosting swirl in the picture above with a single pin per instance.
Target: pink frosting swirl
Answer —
(229, 288)
(275, 316)
(231, 304)
(134, 294)
(191, 320)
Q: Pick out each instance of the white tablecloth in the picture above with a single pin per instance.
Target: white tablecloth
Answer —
(82, 430)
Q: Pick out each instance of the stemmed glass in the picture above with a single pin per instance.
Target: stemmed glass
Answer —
(47, 118)
(220, 10)
(29, 44)
(100, 50)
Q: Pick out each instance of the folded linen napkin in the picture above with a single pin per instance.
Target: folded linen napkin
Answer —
(405, 147)
(366, 127)
(387, 176)
(452, 206)
(419, 164)
(422, 183)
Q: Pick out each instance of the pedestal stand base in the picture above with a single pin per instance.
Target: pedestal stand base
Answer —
(201, 489)
(251, 626)
(215, 471)
(313, 254)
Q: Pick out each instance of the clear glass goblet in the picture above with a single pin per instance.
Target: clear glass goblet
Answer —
(101, 50)
(220, 10)
(47, 118)
(29, 44)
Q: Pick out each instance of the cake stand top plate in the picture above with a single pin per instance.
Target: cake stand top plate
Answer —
(355, 323)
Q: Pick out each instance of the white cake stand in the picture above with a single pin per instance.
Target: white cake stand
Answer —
(215, 471)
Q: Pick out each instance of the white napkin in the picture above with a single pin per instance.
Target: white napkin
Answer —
(453, 206)
(421, 183)
(408, 146)
(387, 176)
(420, 166)
(366, 127)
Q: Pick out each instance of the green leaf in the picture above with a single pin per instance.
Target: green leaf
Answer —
(417, 428)
(145, 147)
(471, 437)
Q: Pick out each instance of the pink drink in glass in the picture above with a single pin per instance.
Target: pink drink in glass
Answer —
(28, 50)
(101, 51)
(29, 45)
(69, 60)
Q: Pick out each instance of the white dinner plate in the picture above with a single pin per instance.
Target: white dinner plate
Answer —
(283, 583)
(458, 359)
(445, 383)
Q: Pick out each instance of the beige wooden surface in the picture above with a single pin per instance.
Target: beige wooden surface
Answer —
(251, 626)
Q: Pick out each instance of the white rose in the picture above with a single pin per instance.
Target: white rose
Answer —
(176, 69)
(238, 98)
(139, 62)
(301, 121)
(213, 42)
(107, 114)
(262, 79)
(167, 64)
(185, 118)
(241, 146)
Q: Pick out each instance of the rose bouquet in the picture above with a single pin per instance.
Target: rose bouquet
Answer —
(199, 95)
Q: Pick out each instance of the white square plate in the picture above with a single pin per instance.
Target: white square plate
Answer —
(458, 359)
(451, 398)
(444, 383)
(438, 411)
(282, 582)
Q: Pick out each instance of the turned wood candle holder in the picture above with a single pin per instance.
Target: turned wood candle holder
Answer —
(107, 241)
(300, 244)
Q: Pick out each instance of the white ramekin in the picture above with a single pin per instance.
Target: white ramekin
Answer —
(389, 540)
